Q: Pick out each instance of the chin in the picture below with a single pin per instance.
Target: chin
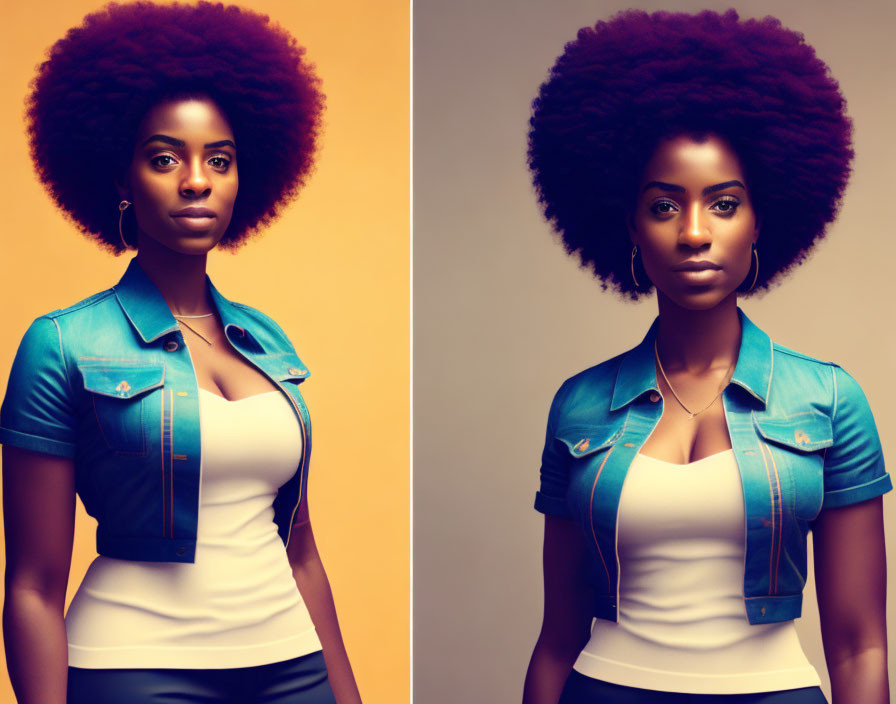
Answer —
(696, 299)
(195, 245)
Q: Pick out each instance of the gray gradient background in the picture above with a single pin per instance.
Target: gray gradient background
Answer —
(502, 316)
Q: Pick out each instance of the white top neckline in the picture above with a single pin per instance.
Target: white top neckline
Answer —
(237, 400)
(716, 456)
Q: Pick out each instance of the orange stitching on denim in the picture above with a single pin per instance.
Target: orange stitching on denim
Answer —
(772, 497)
(171, 462)
(591, 517)
(780, 515)
(162, 453)
(302, 461)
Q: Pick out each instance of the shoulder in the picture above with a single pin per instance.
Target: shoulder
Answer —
(802, 374)
(46, 331)
(590, 389)
(82, 306)
(789, 356)
(825, 383)
(596, 376)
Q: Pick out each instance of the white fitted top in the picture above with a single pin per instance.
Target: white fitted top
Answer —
(238, 604)
(682, 623)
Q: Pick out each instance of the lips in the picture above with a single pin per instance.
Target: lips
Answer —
(194, 213)
(697, 265)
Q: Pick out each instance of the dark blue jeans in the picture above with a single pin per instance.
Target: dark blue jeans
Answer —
(580, 689)
(302, 680)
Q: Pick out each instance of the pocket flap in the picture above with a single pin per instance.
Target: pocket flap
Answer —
(584, 440)
(290, 368)
(805, 431)
(122, 380)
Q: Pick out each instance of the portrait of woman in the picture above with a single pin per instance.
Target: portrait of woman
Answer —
(700, 157)
(175, 413)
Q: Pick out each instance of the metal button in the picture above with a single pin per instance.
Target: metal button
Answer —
(182, 550)
(762, 611)
(654, 397)
(800, 437)
(171, 346)
(123, 387)
(296, 370)
(582, 445)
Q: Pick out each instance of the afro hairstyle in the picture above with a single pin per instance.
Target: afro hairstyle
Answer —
(103, 77)
(625, 84)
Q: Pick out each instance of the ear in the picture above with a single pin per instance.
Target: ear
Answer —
(756, 227)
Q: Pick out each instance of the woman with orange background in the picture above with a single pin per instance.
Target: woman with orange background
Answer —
(189, 147)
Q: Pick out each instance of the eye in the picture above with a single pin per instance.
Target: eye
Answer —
(663, 207)
(726, 206)
(163, 161)
(220, 162)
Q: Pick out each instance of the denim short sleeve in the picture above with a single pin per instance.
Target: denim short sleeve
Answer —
(551, 496)
(38, 412)
(854, 465)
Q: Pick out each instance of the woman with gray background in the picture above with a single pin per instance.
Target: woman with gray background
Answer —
(703, 156)
(511, 304)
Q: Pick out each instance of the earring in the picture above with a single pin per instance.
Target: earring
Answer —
(122, 206)
(635, 278)
(756, 275)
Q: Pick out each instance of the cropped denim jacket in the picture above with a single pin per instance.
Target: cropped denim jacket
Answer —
(109, 382)
(803, 437)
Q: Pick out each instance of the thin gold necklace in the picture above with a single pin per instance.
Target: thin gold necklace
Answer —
(190, 327)
(691, 414)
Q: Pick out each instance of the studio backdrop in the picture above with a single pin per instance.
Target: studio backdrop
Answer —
(502, 316)
(333, 271)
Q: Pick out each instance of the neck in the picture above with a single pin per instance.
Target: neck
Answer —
(179, 277)
(698, 340)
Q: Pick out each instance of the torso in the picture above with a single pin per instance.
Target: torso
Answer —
(219, 368)
(680, 439)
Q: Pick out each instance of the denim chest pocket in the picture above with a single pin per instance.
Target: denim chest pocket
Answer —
(118, 396)
(586, 440)
(795, 448)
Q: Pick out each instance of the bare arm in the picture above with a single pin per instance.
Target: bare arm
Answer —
(566, 625)
(851, 581)
(39, 520)
(311, 579)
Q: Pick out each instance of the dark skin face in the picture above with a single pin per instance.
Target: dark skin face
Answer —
(693, 210)
(184, 158)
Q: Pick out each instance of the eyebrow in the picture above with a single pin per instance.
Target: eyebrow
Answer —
(675, 188)
(180, 143)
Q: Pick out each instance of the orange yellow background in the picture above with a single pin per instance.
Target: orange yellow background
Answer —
(333, 271)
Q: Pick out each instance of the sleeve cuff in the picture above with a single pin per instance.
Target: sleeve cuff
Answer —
(37, 443)
(855, 494)
(552, 505)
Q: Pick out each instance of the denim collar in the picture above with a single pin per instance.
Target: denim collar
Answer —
(637, 371)
(148, 312)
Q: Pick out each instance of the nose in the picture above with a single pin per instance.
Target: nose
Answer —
(196, 183)
(694, 227)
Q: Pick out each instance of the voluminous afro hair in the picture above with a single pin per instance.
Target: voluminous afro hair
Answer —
(623, 85)
(104, 76)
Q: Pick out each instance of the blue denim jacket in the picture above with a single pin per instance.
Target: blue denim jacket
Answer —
(802, 434)
(109, 382)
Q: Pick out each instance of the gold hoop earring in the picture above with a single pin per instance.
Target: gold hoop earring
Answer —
(635, 278)
(122, 206)
(756, 275)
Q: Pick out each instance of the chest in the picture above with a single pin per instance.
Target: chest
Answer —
(780, 458)
(220, 369)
